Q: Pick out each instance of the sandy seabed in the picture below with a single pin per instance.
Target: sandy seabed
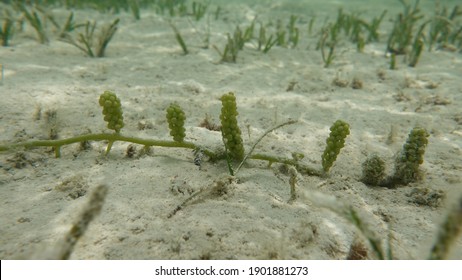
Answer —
(42, 196)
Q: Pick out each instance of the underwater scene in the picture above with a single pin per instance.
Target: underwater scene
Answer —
(179, 129)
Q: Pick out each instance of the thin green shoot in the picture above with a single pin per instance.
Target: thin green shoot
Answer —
(310, 25)
(328, 47)
(249, 153)
(374, 26)
(87, 41)
(69, 26)
(402, 33)
(269, 44)
(393, 61)
(235, 43)
(6, 30)
(135, 8)
(199, 10)
(105, 37)
(217, 13)
(179, 39)
(449, 231)
(294, 33)
(34, 20)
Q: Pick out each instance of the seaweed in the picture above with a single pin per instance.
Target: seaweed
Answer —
(334, 143)
(113, 116)
(199, 9)
(179, 39)
(449, 230)
(235, 43)
(88, 42)
(401, 35)
(265, 44)
(33, 18)
(407, 163)
(444, 30)
(6, 29)
(327, 44)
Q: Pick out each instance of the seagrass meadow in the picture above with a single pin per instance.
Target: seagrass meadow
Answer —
(230, 129)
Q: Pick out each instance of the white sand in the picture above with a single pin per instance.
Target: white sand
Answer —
(252, 220)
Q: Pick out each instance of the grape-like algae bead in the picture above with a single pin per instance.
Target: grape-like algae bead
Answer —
(229, 127)
(338, 132)
(411, 156)
(176, 117)
(112, 110)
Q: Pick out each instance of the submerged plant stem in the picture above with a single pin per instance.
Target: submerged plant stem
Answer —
(114, 137)
(102, 137)
(261, 138)
(304, 169)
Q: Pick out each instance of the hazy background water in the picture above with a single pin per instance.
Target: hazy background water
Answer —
(331, 6)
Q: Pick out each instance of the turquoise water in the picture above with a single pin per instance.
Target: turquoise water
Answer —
(293, 6)
(262, 8)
